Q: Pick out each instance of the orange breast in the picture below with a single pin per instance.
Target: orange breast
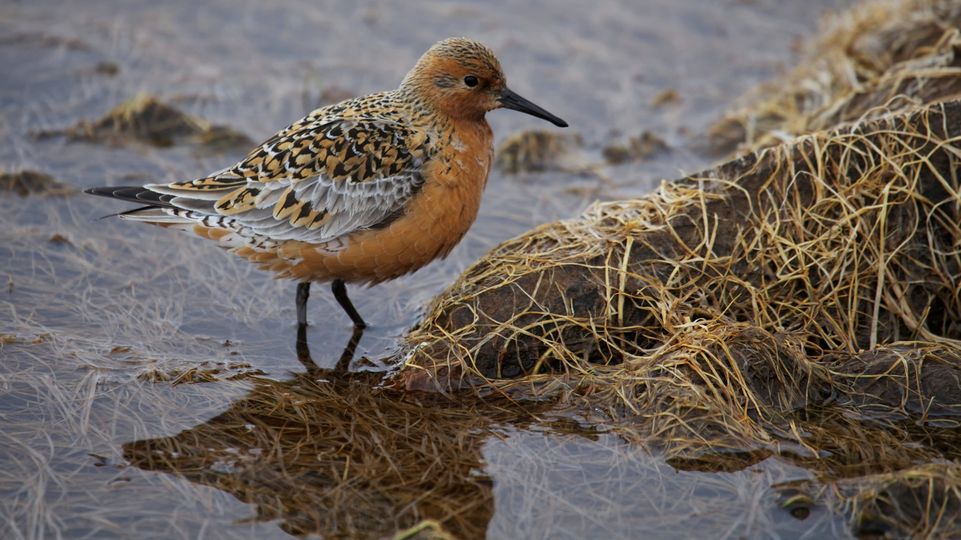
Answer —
(434, 222)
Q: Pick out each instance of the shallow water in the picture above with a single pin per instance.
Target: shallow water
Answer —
(97, 328)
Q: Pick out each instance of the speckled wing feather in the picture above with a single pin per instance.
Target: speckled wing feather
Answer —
(315, 181)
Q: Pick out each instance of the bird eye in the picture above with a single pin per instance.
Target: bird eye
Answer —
(471, 81)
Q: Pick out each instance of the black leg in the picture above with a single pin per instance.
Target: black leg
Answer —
(340, 293)
(303, 293)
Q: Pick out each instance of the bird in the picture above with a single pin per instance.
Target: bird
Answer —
(361, 191)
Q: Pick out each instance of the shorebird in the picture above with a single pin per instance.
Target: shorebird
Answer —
(361, 191)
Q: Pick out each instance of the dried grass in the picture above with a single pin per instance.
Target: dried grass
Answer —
(27, 182)
(878, 56)
(802, 301)
(540, 150)
(149, 120)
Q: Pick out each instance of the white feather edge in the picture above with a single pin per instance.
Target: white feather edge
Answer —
(205, 195)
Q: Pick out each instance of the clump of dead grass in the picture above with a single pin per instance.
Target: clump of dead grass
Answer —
(149, 120)
(879, 55)
(539, 151)
(638, 148)
(802, 301)
(780, 264)
(28, 182)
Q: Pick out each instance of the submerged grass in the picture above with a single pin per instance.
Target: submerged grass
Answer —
(326, 452)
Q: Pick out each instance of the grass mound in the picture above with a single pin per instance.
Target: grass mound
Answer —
(152, 121)
(802, 301)
(28, 182)
(842, 241)
(878, 56)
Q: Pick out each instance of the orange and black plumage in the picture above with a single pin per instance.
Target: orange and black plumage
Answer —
(361, 191)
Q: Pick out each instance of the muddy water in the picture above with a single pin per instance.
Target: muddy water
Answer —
(99, 318)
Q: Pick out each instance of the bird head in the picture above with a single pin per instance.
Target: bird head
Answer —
(463, 79)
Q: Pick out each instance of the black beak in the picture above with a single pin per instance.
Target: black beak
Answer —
(510, 100)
